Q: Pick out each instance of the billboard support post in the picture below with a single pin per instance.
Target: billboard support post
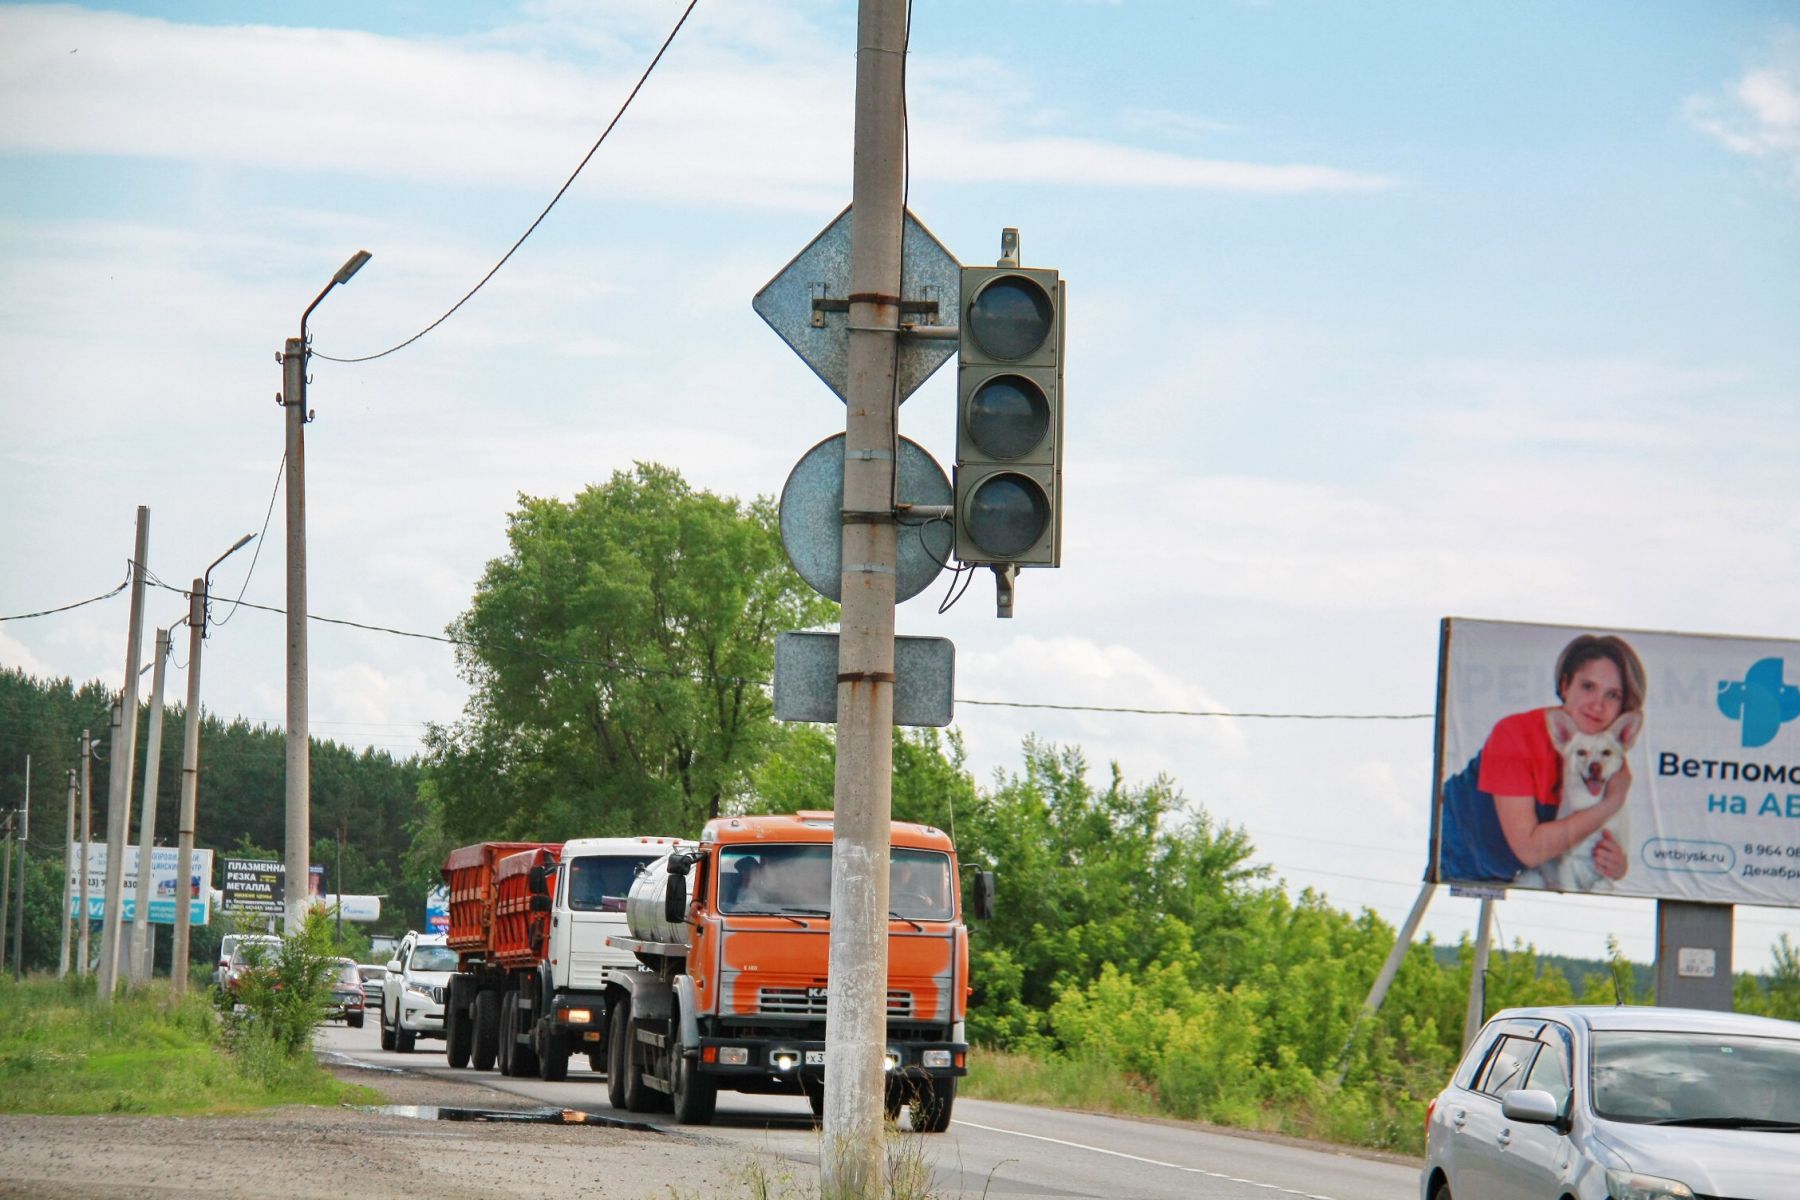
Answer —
(1385, 980)
(1693, 955)
(1476, 1012)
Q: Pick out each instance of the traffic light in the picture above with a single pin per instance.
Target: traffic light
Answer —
(1009, 426)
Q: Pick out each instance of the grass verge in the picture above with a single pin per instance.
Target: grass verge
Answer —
(147, 1053)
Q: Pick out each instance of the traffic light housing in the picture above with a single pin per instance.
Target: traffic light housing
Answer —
(1009, 425)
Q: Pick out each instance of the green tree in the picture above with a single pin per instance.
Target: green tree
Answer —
(617, 657)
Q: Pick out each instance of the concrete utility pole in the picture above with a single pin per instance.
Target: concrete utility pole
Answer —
(141, 943)
(299, 750)
(19, 904)
(87, 833)
(6, 887)
(856, 1007)
(62, 958)
(124, 759)
(190, 789)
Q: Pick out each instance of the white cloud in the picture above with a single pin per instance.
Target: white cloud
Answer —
(1759, 115)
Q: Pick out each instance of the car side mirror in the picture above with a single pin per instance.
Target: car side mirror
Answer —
(675, 900)
(1531, 1106)
(984, 895)
(393, 966)
(540, 904)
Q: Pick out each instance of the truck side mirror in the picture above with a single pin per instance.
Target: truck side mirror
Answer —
(540, 903)
(984, 895)
(675, 901)
(538, 882)
(680, 862)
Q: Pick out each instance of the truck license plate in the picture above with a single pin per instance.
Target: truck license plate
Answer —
(815, 1058)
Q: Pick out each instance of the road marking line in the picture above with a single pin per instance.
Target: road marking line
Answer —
(1155, 1162)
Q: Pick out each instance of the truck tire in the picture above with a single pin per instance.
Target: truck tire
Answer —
(509, 1034)
(553, 1052)
(618, 1029)
(484, 1039)
(387, 1031)
(815, 1095)
(597, 1061)
(638, 1097)
(931, 1105)
(693, 1095)
(524, 1054)
(457, 1024)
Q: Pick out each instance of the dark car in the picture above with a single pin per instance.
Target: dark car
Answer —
(346, 1001)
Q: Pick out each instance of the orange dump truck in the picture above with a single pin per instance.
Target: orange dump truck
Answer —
(734, 935)
(529, 923)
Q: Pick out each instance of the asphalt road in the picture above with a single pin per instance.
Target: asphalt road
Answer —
(991, 1149)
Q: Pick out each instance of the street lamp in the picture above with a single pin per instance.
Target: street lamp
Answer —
(299, 763)
(190, 771)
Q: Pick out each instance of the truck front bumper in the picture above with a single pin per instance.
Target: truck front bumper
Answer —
(796, 1058)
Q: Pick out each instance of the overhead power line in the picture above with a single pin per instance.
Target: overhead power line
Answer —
(540, 217)
(66, 607)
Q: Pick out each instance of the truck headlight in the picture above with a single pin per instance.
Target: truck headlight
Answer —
(1629, 1185)
(577, 1016)
(936, 1058)
(734, 1056)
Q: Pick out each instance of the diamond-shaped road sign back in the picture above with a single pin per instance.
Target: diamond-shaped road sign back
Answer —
(808, 304)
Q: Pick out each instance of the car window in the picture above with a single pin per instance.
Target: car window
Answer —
(1507, 1067)
(432, 958)
(1550, 1070)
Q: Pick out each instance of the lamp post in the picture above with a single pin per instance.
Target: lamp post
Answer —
(190, 774)
(299, 758)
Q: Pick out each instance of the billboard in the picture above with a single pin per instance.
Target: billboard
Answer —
(1623, 762)
(162, 880)
(254, 885)
(437, 910)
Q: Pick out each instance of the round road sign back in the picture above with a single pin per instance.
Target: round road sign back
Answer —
(812, 530)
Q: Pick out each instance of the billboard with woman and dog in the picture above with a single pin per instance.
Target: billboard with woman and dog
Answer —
(1662, 765)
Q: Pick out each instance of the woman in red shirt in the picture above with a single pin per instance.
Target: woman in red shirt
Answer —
(1500, 814)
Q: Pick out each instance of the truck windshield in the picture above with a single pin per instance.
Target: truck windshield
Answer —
(600, 883)
(797, 879)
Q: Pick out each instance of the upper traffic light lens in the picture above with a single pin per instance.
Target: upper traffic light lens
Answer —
(1010, 317)
(1008, 416)
(1007, 515)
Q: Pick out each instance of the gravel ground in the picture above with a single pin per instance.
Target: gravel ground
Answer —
(347, 1154)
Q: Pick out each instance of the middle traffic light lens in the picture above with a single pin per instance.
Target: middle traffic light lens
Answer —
(1010, 317)
(1008, 416)
(1007, 514)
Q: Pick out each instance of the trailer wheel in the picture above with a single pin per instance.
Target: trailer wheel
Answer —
(457, 1023)
(553, 1052)
(932, 1103)
(695, 1095)
(484, 1039)
(618, 1030)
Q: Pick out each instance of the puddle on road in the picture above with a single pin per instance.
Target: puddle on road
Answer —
(511, 1116)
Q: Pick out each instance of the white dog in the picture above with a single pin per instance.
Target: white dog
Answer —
(1589, 761)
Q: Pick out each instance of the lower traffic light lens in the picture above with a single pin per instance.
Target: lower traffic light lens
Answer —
(1007, 515)
(1010, 317)
(1008, 416)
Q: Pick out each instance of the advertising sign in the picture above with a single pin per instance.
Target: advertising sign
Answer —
(1621, 762)
(255, 886)
(162, 880)
(437, 910)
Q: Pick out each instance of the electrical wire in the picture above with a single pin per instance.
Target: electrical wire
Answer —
(540, 217)
(66, 607)
(280, 469)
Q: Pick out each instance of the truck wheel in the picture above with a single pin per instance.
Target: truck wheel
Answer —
(553, 1055)
(457, 1024)
(597, 1061)
(694, 1095)
(894, 1100)
(484, 1039)
(618, 1029)
(638, 1098)
(509, 1033)
(932, 1104)
(524, 1054)
(815, 1095)
(387, 1031)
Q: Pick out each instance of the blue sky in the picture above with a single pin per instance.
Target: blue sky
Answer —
(1380, 313)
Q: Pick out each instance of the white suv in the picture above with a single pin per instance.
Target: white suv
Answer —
(412, 993)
